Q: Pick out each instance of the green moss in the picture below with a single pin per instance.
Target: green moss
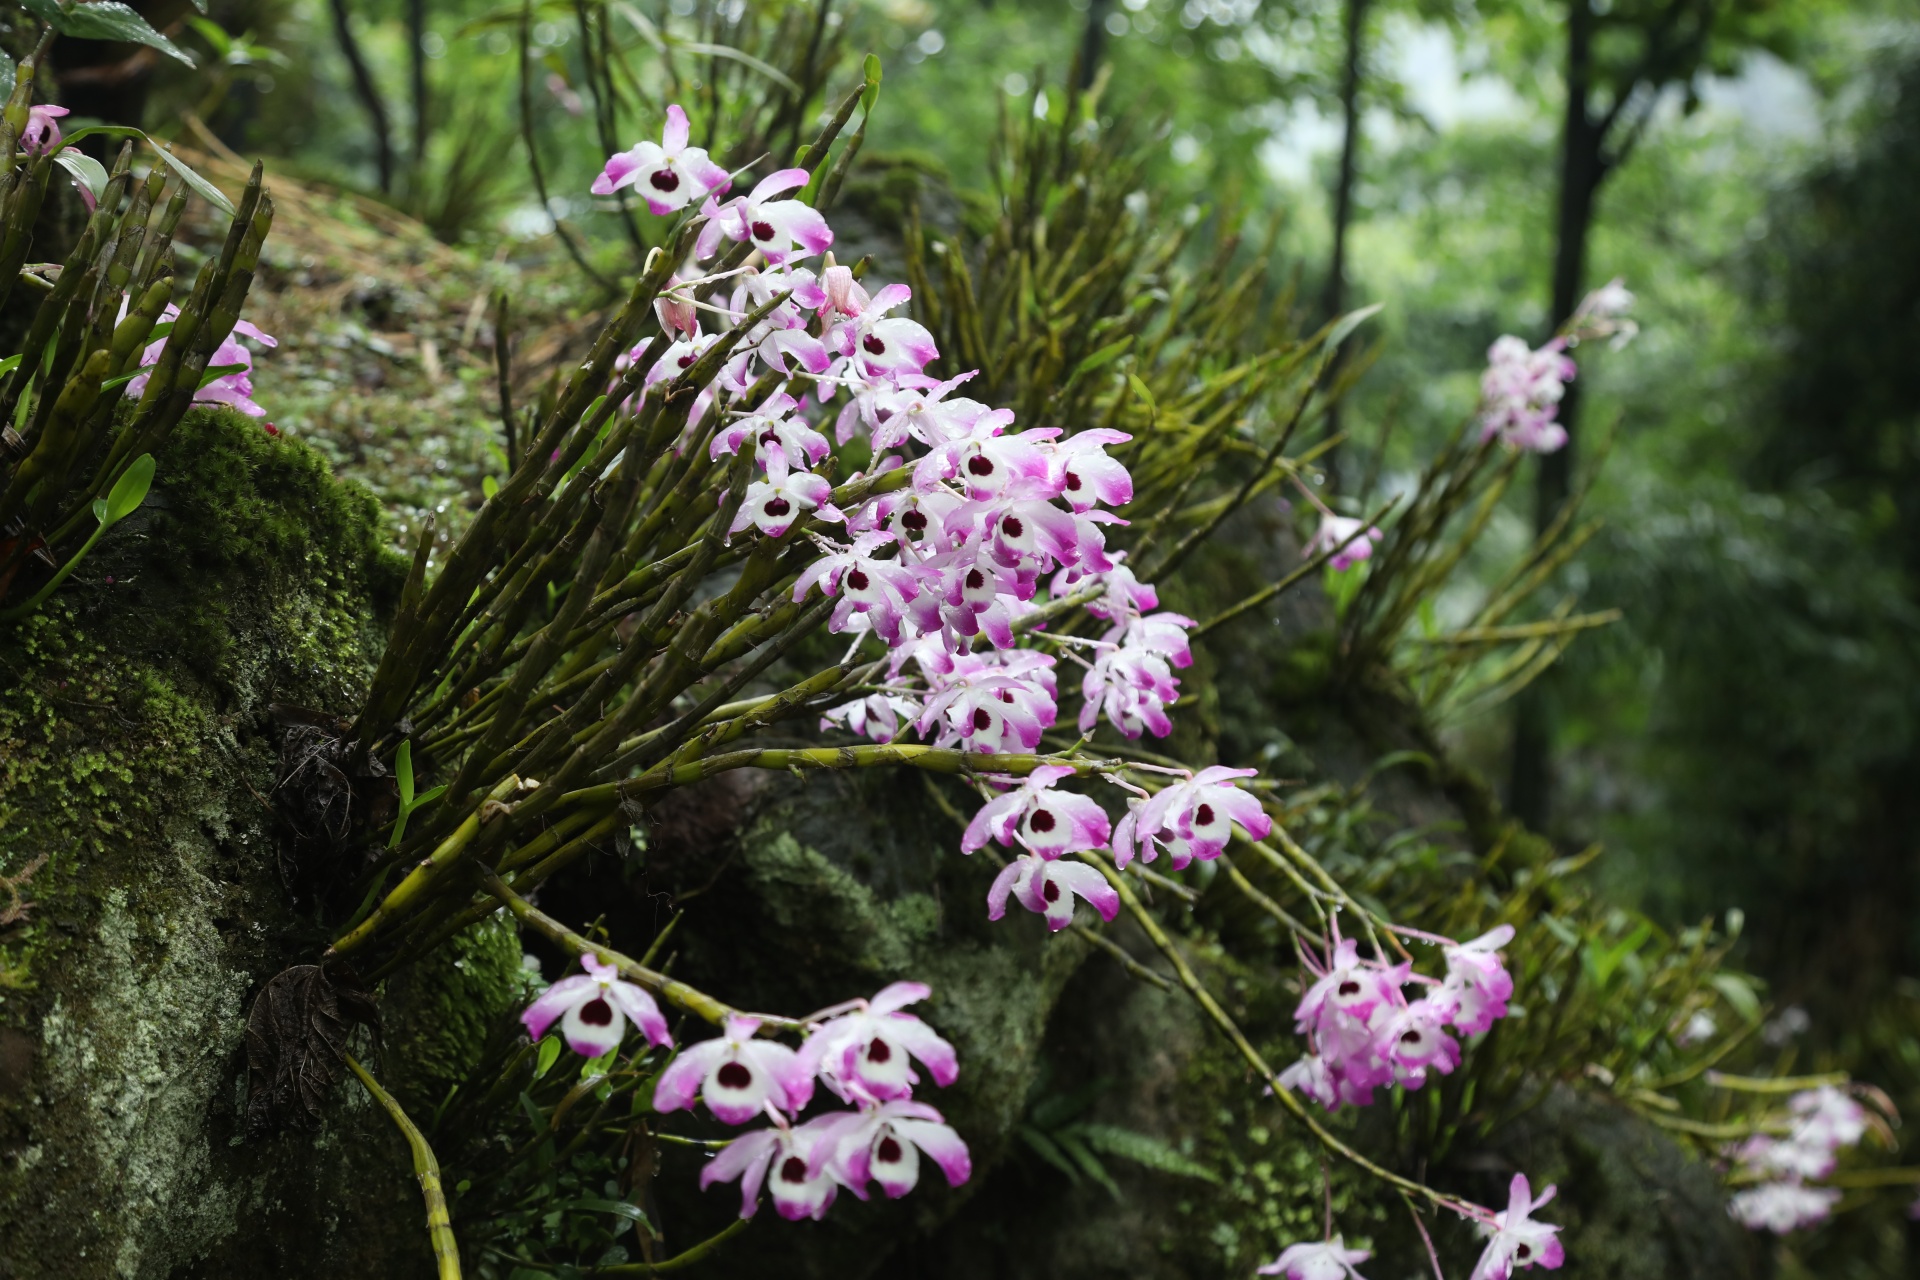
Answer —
(441, 1010)
(135, 755)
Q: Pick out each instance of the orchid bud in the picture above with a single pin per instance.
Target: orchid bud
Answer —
(675, 309)
(844, 293)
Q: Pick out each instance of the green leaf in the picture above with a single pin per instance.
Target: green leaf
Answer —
(87, 171)
(1739, 993)
(631, 1212)
(1143, 1150)
(430, 797)
(1347, 323)
(403, 772)
(104, 131)
(1104, 356)
(9, 364)
(772, 73)
(214, 34)
(1145, 393)
(215, 372)
(871, 95)
(549, 1054)
(130, 490)
(107, 20)
(490, 487)
(1047, 1151)
(124, 378)
(1088, 1162)
(100, 510)
(204, 189)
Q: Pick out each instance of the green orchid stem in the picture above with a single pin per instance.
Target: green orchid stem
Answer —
(446, 1250)
(39, 597)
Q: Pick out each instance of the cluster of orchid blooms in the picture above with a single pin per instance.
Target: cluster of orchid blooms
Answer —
(1823, 1122)
(863, 1052)
(1514, 1241)
(1362, 1031)
(943, 571)
(1521, 390)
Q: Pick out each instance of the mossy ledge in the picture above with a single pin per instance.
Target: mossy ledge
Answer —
(136, 756)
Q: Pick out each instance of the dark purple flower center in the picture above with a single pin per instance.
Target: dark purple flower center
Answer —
(879, 1051)
(734, 1075)
(1050, 891)
(979, 465)
(1005, 695)
(596, 1012)
(686, 361)
(975, 580)
(888, 1151)
(874, 346)
(778, 506)
(793, 1169)
(1349, 988)
(1523, 1253)
(913, 520)
(665, 180)
(1012, 527)
(1204, 815)
(857, 579)
(1410, 1037)
(1073, 483)
(982, 719)
(763, 231)
(1042, 820)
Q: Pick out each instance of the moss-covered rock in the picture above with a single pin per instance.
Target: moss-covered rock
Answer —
(136, 763)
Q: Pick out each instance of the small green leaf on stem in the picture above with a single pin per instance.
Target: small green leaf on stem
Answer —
(130, 490)
(204, 189)
(86, 171)
(218, 371)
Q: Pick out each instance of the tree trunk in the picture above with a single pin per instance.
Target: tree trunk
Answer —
(1530, 787)
(1334, 299)
(368, 91)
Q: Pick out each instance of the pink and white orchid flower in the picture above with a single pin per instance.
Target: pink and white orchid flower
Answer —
(1048, 822)
(593, 1008)
(1048, 886)
(1518, 1241)
(1320, 1260)
(883, 1144)
(869, 1047)
(1192, 819)
(42, 134)
(798, 1190)
(668, 174)
(736, 1075)
(1478, 981)
(1342, 532)
(773, 504)
(780, 229)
